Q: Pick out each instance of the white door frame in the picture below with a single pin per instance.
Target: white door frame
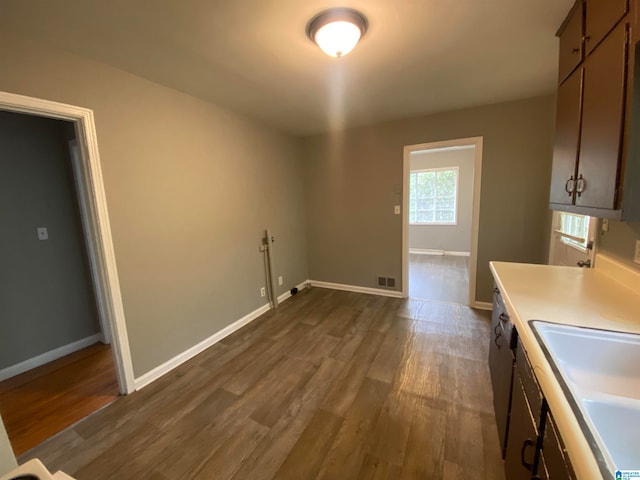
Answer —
(101, 252)
(475, 213)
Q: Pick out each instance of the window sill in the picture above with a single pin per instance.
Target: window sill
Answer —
(435, 224)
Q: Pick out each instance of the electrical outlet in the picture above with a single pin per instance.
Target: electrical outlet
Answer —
(280, 280)
(636, 257)
(43, 233)
(396, 210)
(263, 292)
(605, 225)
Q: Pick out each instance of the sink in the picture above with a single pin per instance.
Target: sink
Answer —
(599, 371)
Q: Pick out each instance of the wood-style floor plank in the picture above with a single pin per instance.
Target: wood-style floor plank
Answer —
(44, 401)
(331, 385)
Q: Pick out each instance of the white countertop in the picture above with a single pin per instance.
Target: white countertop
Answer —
(574, 296)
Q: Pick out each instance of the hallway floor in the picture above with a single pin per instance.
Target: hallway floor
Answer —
(439, 278)
(44, 401)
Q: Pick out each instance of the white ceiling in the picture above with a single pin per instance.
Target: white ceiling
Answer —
(252, 56)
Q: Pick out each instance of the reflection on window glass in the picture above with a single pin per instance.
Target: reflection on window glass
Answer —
(432, 196)
(575, 225)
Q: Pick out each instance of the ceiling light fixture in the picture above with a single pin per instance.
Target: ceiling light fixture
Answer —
(337, 31)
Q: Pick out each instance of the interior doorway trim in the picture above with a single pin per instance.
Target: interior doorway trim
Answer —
(101, 249)
(475, 211)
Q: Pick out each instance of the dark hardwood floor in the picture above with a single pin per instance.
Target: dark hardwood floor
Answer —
(440, 278)
(44, 401)
(331, 385)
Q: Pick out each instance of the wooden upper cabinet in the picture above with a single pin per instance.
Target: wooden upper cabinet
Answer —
(601, 17)
(571, 45)
(603, 108)
(565, 151)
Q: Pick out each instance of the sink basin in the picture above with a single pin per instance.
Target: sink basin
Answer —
(600, 373)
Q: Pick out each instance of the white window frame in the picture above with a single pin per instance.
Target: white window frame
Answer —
(455, 196)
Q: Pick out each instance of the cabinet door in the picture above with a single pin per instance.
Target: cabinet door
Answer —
(601, 17)
(522, 444)
(501, 366)
(602, 122)
(567, 140)
(571, 43)
(556, 463)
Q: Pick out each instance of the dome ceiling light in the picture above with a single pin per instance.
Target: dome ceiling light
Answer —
(337, 31)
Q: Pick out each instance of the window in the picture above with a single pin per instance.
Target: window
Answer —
(574, 229)
(433, 196)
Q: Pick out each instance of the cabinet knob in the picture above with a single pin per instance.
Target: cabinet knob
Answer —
(587, 38)
(570, 186)
(583, 264)
(575, 50)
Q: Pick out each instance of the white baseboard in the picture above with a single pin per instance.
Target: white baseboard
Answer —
(179, 359)
(48, 357)
(483, 305)
(287, 295)
(430, 251)
(357, 289)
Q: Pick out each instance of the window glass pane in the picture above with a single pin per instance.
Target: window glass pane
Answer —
(444, 216)
(576, 226)
(447, 203)
(433, 196)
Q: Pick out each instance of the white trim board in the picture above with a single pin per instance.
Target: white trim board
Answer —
(46, 357)
(108, 289)
(483, 306)
(356, 288)
(157, 372)
(432, 251)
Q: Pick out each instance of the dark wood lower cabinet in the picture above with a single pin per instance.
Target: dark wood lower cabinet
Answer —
(554, 463)
(531, 445)
(522, 447)
(501, 363)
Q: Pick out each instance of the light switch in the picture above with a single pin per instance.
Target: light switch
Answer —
(396, 210)
(43, 234)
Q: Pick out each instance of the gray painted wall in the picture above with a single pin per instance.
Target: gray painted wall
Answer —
(456, 238)
(354, 178)
(620, 241)
(190, 188)
(46, 299)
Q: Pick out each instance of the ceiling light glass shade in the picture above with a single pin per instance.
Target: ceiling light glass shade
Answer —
(336, 39)
(337, 31)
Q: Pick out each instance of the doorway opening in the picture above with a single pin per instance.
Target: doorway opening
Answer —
(96, 239)
(441, 198)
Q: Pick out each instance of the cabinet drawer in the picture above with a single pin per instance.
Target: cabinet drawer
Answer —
(530, 386)
(501, 317)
